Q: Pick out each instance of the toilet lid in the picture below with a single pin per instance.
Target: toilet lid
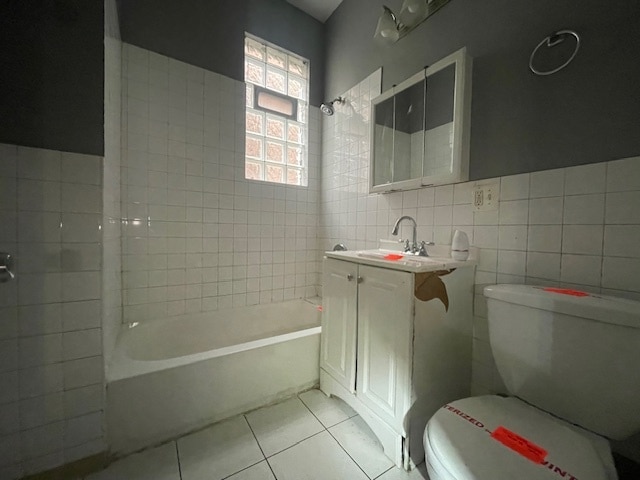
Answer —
(465, 439)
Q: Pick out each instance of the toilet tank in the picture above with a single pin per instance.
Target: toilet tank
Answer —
(572, 354)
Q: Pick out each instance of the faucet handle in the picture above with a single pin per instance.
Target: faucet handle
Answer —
(407, 245)
(423, 248)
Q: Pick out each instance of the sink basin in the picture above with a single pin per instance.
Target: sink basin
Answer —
(390, 256)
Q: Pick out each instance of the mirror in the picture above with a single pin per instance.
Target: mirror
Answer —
(438, 130)
(420, 128)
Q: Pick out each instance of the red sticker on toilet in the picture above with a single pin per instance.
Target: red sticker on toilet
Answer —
(519, 444)
(566, 291)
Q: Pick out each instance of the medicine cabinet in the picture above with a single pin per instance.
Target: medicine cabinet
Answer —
(420, 128)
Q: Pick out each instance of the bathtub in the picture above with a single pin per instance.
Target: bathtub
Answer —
(171, 376)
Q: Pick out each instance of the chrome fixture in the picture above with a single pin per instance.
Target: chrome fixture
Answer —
(551, 41)
(327, 108)
(339, 247)
(6, 267)
(412, 247)
(423, 248)
(392, 28)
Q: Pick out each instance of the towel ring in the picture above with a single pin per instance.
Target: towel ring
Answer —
(551, 41)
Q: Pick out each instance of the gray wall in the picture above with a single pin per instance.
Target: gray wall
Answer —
(210, 34)
(589, 112)
(52, 74)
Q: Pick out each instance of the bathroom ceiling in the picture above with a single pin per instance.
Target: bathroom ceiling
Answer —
(318, 9)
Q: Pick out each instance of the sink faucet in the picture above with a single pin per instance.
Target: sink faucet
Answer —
(414, 246)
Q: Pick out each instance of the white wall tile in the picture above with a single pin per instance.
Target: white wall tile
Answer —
(548, 183)
(581, 269)
(621, 273)
(622, 241)
(80, 286)
(584, 239)
(514, 187)
(546, 211)
(512, 262)
(618, 209)
(585, 179)
(8, 354)
(485, 236)
(82, 372)
(81, 344)
(623, 175)
(40, 350)
(544, 238)
(38, 411)
(39, 288)
(80, 430)
(41, 380)
(79, 198)
(514, 212)
(584, 209)
(512, 237)
(39, 227)
(488, 260)
(10, 419)
(444, 195)
(77, 168)
(81, 227)
(38, 196)
(543, 265)
(42, 440)
(38, 164)
(462, 193)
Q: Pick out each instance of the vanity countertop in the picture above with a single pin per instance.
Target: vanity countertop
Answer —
(439, 259)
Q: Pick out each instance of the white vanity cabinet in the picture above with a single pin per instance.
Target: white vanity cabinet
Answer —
(393, 358)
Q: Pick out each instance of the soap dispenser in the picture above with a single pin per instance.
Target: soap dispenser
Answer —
(460, 246)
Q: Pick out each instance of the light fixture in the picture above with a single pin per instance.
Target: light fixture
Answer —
(388, 28)
(413, 11)
(392, 28)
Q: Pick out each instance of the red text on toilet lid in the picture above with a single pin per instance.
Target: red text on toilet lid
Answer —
(519, 444)
(566, 291)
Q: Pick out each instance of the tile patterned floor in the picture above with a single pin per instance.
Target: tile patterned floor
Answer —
(308, 437)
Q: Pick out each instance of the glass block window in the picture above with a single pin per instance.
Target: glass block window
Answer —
(277, 109)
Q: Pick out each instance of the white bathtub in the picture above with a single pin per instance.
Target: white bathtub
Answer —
(170, 376)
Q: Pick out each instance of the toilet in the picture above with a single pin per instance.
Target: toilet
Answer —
(569, 361)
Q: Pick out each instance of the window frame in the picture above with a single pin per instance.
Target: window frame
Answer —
(300, 116)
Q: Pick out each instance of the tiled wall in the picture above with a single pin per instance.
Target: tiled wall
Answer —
(197, 235)
(111, 223)
(50, 335)
(576, 227)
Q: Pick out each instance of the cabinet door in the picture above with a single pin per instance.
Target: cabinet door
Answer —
(339, 312)
(385, 322)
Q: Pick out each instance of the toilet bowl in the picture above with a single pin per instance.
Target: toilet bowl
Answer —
(461, 444)
(563, 356)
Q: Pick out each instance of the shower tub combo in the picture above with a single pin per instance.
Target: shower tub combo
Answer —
(175, 375)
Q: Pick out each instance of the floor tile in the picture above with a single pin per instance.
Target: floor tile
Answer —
(219, 451)
(160, 463)
(282, 425)
(395, 473)
(328, 410)
(261, 471)
(355, 436)
(317, 458)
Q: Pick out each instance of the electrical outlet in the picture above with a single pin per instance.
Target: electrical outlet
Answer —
(485, 197)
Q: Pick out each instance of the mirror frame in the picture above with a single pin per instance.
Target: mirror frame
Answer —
(461, 124)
